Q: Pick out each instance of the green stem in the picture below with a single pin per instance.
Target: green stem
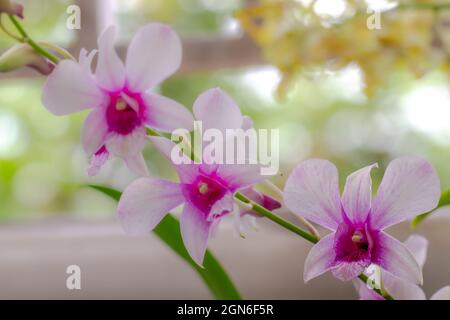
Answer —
(302, 233)
(31, 42)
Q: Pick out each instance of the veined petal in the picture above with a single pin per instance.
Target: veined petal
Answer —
(222, 206)
(348, 270)
(418, 246)
(409, 187)
(153, 55)
(145, 202)
(195, 231)
(94, 131)
(320, 258)
(395, 257)
(165, 114)
(402, 289)
(110, 72)
(187, 170)
(70, 89)
(126, 145)
(217, 110)
(239, 176)
(357, 195)
(97, 161)
(312, 191)
(136, 163)
(442, 294)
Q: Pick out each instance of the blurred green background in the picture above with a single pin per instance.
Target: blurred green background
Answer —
(328, 115)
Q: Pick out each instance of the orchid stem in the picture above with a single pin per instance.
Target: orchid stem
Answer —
(280, 198)
(31, 42)
(277, 219)
(10, 34)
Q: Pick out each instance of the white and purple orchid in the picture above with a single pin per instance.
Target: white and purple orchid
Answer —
(206, 190)
(119, 96)
(409, 187)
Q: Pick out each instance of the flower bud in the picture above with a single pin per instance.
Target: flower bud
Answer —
(21, 55)
(11, 7)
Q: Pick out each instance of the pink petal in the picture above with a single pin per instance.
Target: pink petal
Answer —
(357, 195)
(320, 258)
(216, 109)
(418, 246)
(348, 270)
(97, 161)
(442, 294)
(395, 257)
(409, 187)
(85, 59)
(153, 55)
(94, 131)
(402, 289)
(186, 172)
(222, 206)
(145, 202)
(195, 231)
(136, 163)
(312, 191)
(70, 89)
(239, 176)
(364, 292)
(127, 145)
(110, 72)
(165, 114)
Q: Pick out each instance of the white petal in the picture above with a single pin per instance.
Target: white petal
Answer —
(110, 72)
(195, 231)
(94, 131)
(320, 258)
(217, 110)
(442, 294)
(70, 89)
(312, 191)
(167, 115)
(145, 202)
(409, 187)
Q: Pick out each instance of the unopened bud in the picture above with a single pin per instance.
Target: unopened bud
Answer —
(11, 7)
(21, 55)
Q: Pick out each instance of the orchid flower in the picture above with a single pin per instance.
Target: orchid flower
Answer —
(206, 190)
(399, 288)
(119, 96)
(409, 187)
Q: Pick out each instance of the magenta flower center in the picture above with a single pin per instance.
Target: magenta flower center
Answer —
(125, 112)
(205, 191)
(353, 243)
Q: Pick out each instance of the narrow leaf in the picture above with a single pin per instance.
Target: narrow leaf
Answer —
(168, 230)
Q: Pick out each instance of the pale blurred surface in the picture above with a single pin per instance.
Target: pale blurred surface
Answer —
(268, 264)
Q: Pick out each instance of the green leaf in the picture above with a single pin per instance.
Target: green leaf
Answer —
(168, 231)
(443, 201)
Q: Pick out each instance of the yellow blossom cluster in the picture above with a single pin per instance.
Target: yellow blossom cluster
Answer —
(295, 35)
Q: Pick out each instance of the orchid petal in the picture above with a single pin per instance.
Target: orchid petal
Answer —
(357, 195)
(195, 231)
(70, 89)
(395, 257)
(145, 202)
(126, 145)
(153, 55)
(94, 131)
(217, 110)
(409, 187)
(136, 163)
(418, 246)
(110, 72)
(320, 258)
(312, 191)
(165, 114)
(442, 294)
